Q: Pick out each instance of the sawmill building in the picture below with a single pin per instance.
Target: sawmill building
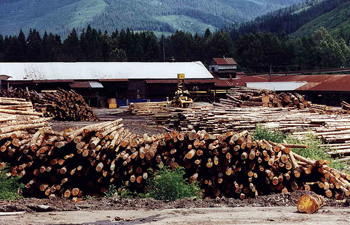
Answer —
(321, 89)
(99, 81)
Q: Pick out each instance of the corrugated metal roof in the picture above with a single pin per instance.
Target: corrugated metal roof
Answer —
(314, 82)
(86, 84)
(222, 82)
(277, 86)
(102, 70)
(225, 61)
(243, 80)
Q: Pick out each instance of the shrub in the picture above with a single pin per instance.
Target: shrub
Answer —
(170, 184)
(267, 134)
(9, 186)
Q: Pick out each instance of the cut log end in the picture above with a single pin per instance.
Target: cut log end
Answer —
(310, 203)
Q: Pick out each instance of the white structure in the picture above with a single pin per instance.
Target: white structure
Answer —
(102, 71)
(277, 86)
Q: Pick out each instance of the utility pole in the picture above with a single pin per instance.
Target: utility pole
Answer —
(270, 72)
(163, 48)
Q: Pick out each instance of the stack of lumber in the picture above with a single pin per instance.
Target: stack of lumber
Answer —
(324, 109)
(60, 104)
(147, 108)
(215, 120)
(333, 130)
(18, 120)
(265, 98)
(67, 105)
(345, 105)
(29, 95)
(87, 160)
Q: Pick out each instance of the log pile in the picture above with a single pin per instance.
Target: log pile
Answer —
(333, 130)
(85, 161)
(147, 108)
(247, 97)
(61, 104)
(345, 105)
(324, 109)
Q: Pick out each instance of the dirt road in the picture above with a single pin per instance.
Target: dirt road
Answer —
(203, 216)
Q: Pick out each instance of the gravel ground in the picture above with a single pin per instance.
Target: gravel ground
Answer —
(272, 209)
(192, 216)
(61, 204)
(137, 125)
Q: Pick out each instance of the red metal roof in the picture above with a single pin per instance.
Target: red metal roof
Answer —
(243, 80)
(225, 61)
(222, 82)
(314, 82)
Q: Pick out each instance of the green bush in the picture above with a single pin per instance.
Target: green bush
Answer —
(315, 151)
(9, 186)
(267, 134)
(170, 184)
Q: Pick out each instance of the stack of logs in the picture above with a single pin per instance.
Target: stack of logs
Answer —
(85, 161)
(263, 98)
(60, 104)
(147, 108)
(333, 130)
(345, 105)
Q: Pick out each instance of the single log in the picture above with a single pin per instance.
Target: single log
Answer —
(310, 203)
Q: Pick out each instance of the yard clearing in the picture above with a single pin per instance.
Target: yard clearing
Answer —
(204, 216)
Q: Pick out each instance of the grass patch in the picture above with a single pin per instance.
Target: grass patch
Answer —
(9, 186)
(122, 192)
(170, 184)
(315, 151)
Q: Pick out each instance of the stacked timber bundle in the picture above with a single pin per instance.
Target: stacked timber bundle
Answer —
(324, 109)
(67, 105)
(19, 123)
(60, 104)
(333, 130)
(217, 120)
(87, 160)
(29, 95)
(345, 105)
(264, 98)
(147, 108)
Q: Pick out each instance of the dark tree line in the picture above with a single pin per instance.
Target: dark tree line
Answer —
(254, 52)
(93, 45)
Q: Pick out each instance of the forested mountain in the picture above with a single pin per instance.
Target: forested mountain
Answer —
(60, 16)
(303, 19)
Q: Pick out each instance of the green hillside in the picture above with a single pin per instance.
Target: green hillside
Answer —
(60, 16)
(303, 19)
(337, 22)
